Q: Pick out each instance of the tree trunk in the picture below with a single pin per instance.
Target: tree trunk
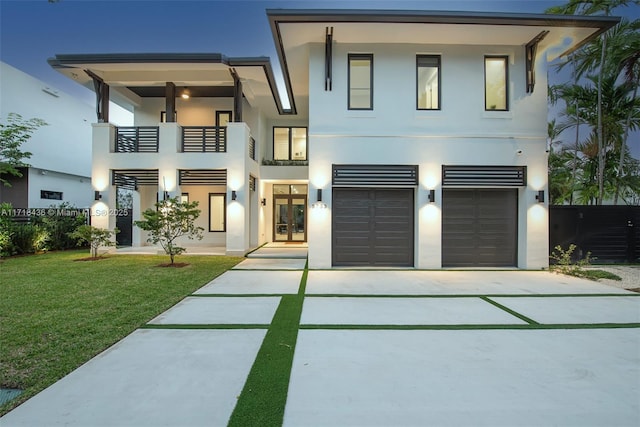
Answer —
(623, 144)
(601, 146)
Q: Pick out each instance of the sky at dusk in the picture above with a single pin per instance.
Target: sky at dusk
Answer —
(31, 31)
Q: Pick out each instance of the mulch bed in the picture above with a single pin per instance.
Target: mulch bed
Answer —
(175, 264)
(91, 258)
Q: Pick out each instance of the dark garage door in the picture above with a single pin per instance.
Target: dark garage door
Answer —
(372, 227)
(479, 227)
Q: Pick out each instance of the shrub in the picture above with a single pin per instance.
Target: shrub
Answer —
(28, 238)
(564, 263)
(59, 225)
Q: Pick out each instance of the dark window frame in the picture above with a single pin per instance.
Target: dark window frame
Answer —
(224, 203)
(439, 58)
(290, 142)
(44, 194)
(506, 81)
(360, 56)
(221, 112)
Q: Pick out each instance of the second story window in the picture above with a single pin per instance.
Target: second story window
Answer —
(428, 80)
(289, 143)
(496, 80)
(360, 81)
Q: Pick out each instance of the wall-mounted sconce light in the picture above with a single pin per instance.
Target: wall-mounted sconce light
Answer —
(319, 203)
(432, 196)
(263, 202)
(165, 195)
(234, 195)
(97, 196)
(540, 196)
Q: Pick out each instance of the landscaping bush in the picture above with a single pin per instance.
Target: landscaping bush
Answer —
(28, 238)
(67, 219)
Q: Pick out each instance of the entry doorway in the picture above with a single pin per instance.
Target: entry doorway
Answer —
(289, 213)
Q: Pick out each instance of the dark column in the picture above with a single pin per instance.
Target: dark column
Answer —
(237, 97)
(170, 100)
(102, 97)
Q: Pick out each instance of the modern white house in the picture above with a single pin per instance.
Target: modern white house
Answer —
(406, 138)
(60, 165)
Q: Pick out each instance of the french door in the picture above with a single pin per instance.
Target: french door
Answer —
(290, 218)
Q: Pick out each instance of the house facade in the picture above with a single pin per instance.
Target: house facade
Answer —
(60, 165)
(405, 138)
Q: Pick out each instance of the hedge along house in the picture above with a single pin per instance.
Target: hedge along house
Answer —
(424, 134)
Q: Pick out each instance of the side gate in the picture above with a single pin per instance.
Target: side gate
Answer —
(610, 233)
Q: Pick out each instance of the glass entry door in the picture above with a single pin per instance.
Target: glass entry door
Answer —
(290, 218)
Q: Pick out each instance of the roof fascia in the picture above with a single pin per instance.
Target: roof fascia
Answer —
(69, 60)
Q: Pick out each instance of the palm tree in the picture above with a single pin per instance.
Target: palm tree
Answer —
(591, 62)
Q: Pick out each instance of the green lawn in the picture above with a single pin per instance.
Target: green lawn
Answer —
(57, 313)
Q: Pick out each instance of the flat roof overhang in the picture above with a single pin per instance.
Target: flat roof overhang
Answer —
(135, 75)
(294, 28)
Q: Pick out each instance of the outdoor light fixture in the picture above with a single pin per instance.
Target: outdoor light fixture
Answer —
(97, 196)
(186, 93)
(540, 196)
(234, 195)
(165, 195)
(432, 196)
(319, 203)
(263, 202)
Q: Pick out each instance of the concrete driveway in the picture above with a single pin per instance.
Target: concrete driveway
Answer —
(374, 348)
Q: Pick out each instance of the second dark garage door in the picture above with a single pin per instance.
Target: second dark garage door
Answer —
(479, 227)
(372, 227)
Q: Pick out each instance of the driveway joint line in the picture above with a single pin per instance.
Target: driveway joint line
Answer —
(469, 295)
(466, 327)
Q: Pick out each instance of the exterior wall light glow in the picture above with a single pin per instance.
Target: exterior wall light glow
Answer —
(540, 196)
(432, 196)
(186, 94)
(234, 195)
(97, 196)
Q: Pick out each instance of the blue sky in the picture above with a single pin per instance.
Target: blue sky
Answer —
(33, 30)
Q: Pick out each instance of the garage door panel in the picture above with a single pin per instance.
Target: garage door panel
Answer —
(373, 227)
(479, 228)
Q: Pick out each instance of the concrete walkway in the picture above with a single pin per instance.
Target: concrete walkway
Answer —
(374, 348)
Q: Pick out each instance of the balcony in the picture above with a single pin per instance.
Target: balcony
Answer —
(204, 139)
(137, 139)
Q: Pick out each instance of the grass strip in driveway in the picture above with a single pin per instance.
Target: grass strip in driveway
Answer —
(474, 327)
(264, 396)
(511, 312)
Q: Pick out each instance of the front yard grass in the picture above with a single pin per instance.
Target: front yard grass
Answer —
(56, 313)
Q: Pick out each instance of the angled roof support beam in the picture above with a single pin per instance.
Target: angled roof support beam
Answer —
(102, 97)
(170, 102)
(531, 50)
(237, 96)
(328, 58)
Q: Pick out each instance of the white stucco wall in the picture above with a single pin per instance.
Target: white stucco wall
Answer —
(461, 133)
(63, 147)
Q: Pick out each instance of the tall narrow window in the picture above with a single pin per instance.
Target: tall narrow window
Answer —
(217, 212)
(360, 81)
(428, 80)
(496, 92)
(289, 143)
(223, 118)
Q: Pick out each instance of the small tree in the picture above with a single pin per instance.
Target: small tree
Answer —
(171, 219)
(13, 134)
(94, 236)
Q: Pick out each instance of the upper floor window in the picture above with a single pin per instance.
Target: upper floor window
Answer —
(496, 80)
(360, 81)
(289, 143)
(428, 81)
